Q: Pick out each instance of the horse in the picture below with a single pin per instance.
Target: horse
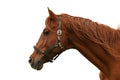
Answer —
(99, 43)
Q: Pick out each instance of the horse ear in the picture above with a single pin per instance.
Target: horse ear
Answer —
(52, 15)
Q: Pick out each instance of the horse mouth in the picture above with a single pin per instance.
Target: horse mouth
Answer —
(38, 67)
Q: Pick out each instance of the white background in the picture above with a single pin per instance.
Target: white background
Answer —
(21, 23)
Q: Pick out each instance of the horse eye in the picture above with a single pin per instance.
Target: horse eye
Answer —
(46, 32)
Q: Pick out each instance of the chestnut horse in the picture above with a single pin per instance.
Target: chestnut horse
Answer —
(99, 43)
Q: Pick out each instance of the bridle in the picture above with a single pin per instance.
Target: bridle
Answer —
(58, 44)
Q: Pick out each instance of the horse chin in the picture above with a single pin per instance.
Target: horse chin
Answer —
(40, 67)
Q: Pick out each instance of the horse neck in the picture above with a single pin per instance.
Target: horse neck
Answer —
(92, 52)
(101, 55)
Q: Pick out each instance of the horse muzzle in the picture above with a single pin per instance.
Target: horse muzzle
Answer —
(38, 65)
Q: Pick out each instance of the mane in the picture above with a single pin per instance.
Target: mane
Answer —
(96, 32)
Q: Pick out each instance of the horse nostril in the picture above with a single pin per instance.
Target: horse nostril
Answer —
(30, 60)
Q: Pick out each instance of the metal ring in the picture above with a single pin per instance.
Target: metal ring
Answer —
(59, 32)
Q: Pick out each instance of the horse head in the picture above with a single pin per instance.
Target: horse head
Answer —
(52, 42)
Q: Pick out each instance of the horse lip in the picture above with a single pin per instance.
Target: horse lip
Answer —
(38, 67)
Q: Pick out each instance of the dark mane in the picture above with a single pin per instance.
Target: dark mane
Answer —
(91, 30)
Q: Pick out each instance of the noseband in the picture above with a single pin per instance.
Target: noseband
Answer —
(58, 44)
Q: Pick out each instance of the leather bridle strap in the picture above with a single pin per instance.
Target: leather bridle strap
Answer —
(56, 45)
